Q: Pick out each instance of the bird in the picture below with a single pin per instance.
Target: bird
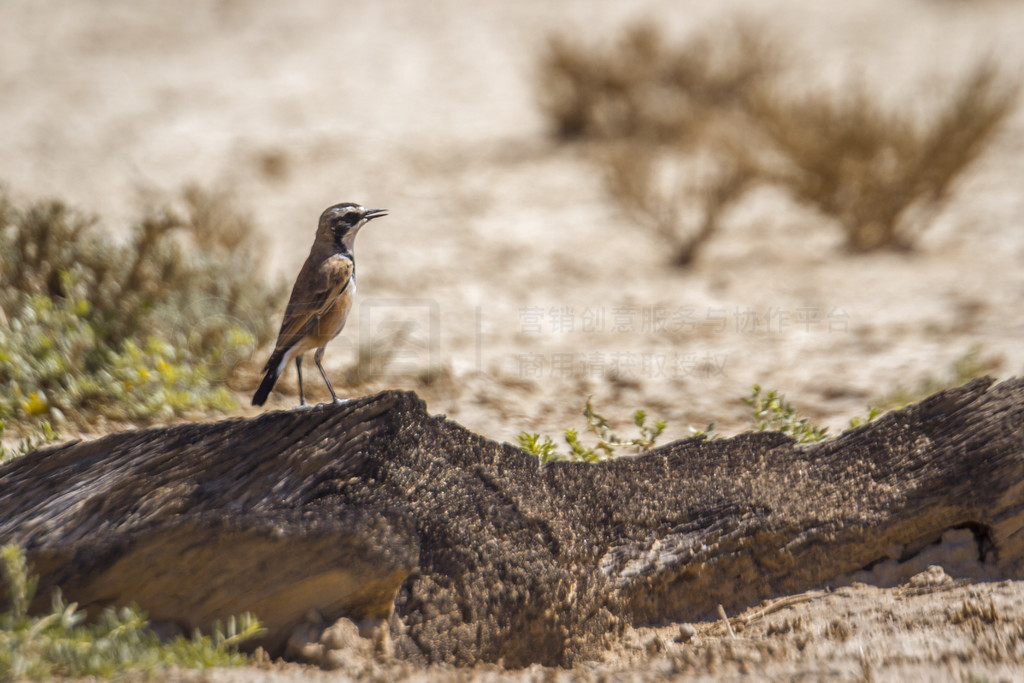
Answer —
(321, 297)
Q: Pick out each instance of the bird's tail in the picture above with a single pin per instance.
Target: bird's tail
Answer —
(273, 370)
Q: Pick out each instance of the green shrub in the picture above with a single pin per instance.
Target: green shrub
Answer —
(771, 413)
(858, 421)
(706, 433)
(149, 328)
(606, 447)
(61, 644)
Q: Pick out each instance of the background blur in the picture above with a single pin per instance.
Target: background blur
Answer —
(508, 282)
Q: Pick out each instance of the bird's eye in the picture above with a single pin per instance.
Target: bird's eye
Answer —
(352, 217)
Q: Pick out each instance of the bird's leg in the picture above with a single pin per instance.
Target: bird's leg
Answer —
(317, 357)
(298, 369)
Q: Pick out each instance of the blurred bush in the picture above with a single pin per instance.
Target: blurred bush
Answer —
(639, 87)
(682, 197)
(685, 131)
(91, 327)
(882, 174)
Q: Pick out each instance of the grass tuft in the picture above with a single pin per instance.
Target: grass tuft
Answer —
(607, 444)
(772, 413)
(41, 434)
(61, 643)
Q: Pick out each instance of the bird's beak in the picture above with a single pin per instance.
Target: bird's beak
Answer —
(374, 213)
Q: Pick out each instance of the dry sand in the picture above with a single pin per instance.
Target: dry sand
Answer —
(931, 629)
(525, 284)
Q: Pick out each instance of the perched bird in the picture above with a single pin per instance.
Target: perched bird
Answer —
(321, 297)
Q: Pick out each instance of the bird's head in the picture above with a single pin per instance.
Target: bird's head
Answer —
(341, 222)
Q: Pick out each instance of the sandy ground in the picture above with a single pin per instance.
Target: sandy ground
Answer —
(523, 287)
(931, 629)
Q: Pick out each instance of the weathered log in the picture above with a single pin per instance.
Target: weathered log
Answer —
(374, 505)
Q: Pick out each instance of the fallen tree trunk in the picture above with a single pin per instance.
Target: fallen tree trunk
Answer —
(376, 510)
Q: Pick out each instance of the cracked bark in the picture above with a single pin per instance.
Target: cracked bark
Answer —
(377, 510)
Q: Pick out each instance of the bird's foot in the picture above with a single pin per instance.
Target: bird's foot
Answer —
(304, 406)
(341, 401)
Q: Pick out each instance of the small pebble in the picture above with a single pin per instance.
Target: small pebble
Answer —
(686, 633)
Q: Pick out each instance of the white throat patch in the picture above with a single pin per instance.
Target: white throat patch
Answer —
(350, 237)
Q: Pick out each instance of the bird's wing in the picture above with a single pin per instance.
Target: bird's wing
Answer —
(319, 284)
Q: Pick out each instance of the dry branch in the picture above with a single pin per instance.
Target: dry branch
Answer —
(359, 509)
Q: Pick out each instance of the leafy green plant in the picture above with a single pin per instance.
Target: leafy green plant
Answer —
(42, 434)
(606, 446)
(544, 448)
(62, 644)
(707, 433)
(772, 413)
(857, 421)
(139, 330)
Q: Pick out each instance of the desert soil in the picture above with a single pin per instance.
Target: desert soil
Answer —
(931, 629)
(522, 287)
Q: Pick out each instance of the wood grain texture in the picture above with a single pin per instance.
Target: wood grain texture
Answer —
(375, 508)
